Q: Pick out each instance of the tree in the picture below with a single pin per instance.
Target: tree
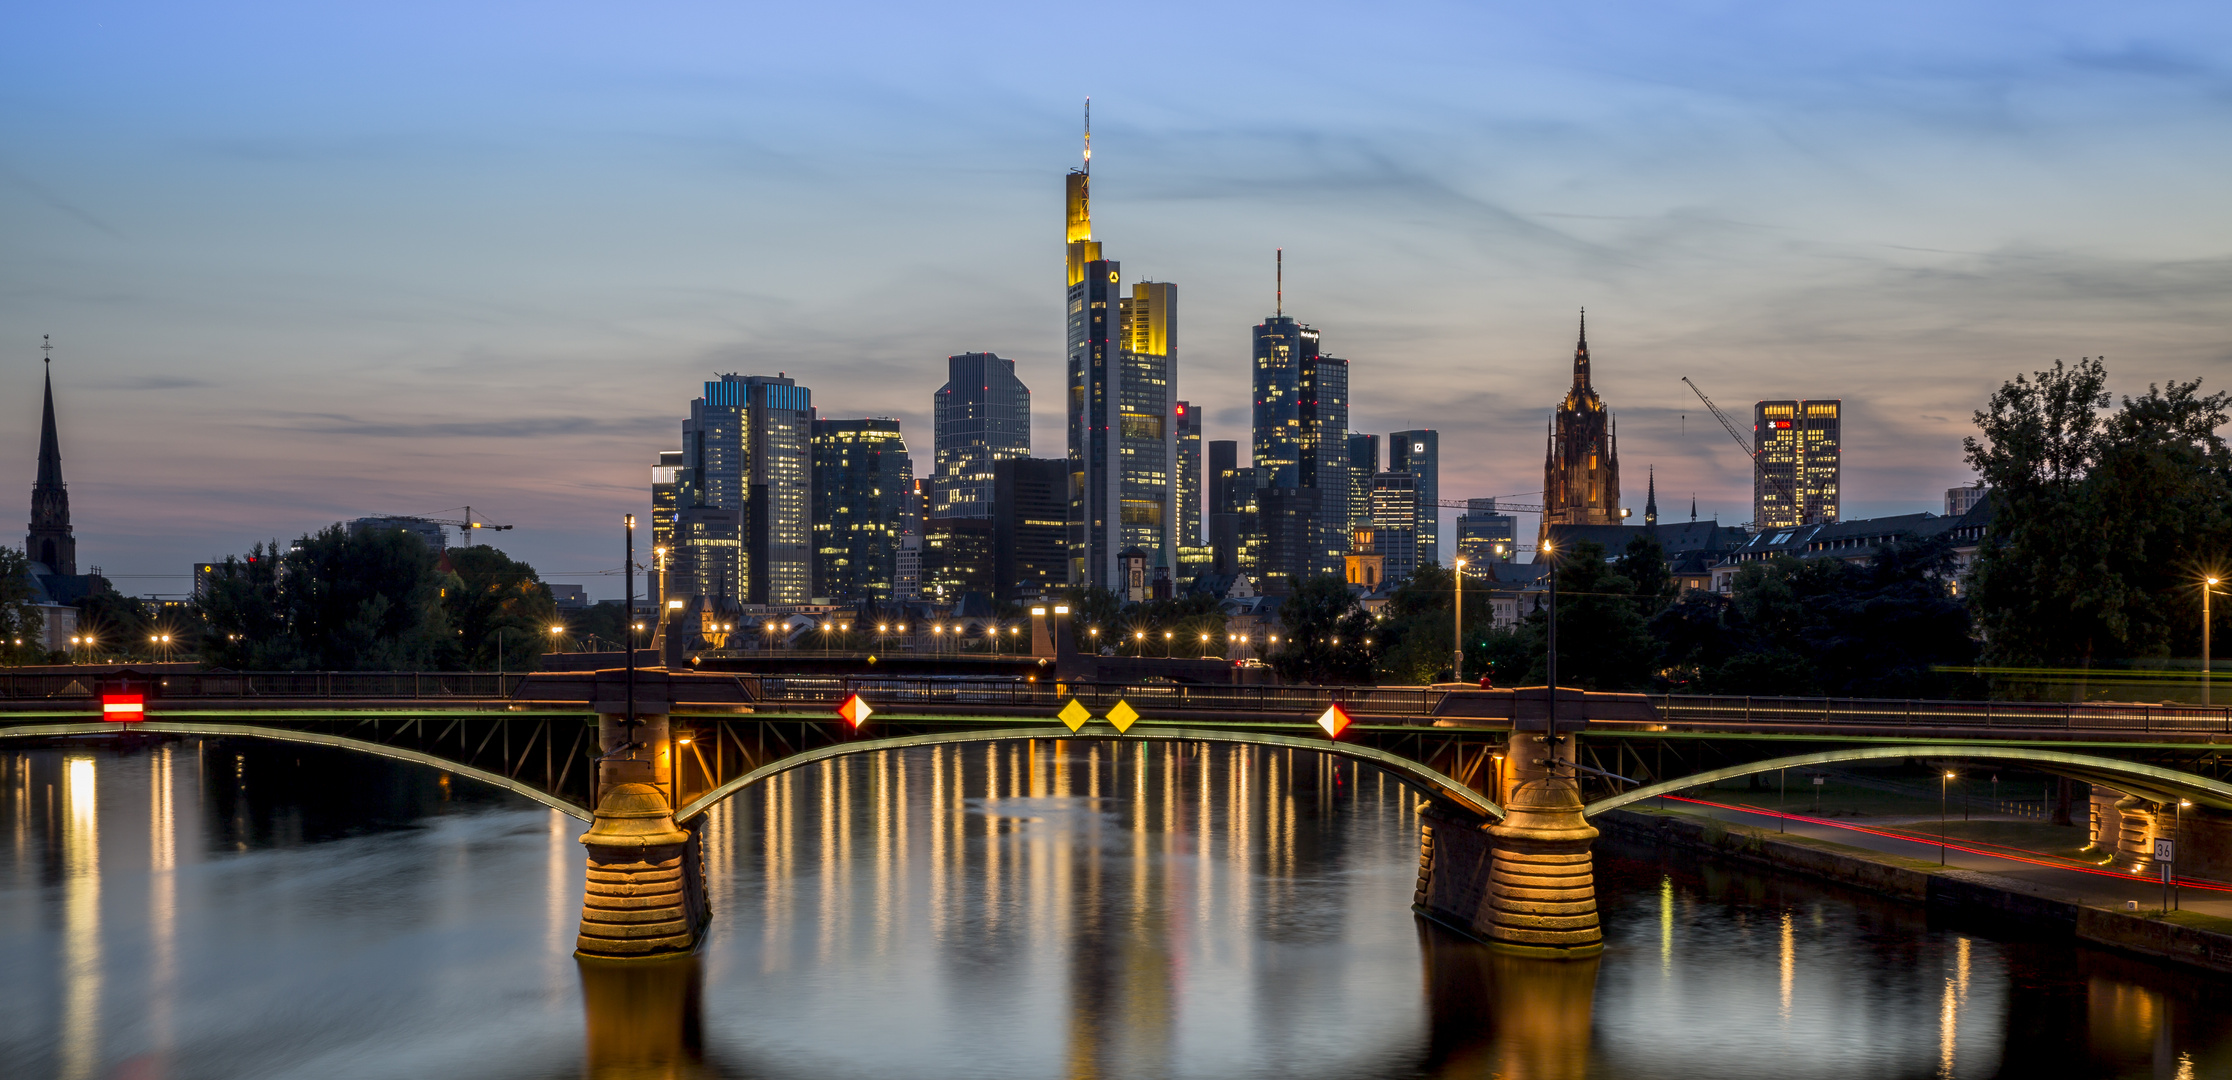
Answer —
(340, 600)
(2100, 523)
(1412, 631)
(499, 609)
(1325, 634)
(22, 626)
(1603, 643)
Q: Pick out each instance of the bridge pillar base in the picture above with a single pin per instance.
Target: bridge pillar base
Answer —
(1526, 886)
(644, 897)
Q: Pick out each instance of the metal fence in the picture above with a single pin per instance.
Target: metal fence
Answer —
(300, 685)
(1408, 701)
(2103, 716)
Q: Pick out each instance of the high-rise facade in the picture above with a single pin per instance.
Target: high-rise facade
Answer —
(1030, 527)
(862, 477)
(1485, 536)
(50, 541)
(746, 448)
(1395, 524)
(1189, 476)
(983, 415)
(1418, 453)
(1797, 463)
(1581, 468)
(1300, 439)
(1364, 464)
(1122, 383)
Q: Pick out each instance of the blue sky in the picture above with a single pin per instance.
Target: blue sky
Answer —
(308, 262)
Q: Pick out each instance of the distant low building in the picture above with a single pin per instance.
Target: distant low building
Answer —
(569, 597)
(1961, 500)
(435, 537)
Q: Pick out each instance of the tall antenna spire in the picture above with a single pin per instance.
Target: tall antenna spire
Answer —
(46, 345)
(1280, 310)
(1088, 135)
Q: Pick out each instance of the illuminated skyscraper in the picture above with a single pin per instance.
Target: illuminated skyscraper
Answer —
(1797, 464)
(1419, 454)
(1581, 469)
(983, 415)
(745, 449)
(1302, 451)
(1364, 464)
(1189, 476)
(862, 480)
(1122, 368)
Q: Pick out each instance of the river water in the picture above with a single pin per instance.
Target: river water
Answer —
(234, 909)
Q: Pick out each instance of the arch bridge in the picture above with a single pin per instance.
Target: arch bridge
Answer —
(1510, 777)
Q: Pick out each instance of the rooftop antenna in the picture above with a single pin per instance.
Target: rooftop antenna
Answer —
(46, 345)
(1088, 135)
(1281, 286)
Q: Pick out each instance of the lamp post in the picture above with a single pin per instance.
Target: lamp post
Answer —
(1139, 644)
(2208, 585)
(1457, 635)
(1550, 664)
(627, 570)
(555, 630)
(1943, 783)
(1166, 644)
(2177, 833)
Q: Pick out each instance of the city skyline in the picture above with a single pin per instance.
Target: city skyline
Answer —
(334, 307)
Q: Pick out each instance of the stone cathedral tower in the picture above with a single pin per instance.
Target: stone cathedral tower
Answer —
(1581, 470)
(49, 540)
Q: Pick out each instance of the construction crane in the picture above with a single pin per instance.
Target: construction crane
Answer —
(1725, 422)
(465, 525)
(1501, 506)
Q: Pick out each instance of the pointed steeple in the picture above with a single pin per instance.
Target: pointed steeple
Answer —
(1581, 356)
(1650, 497)
(1693, 506)
(49, 541)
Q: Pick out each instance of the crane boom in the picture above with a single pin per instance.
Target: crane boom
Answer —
(1722, 417)
(1501, 506)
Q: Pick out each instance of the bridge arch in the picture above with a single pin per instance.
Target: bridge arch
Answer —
(1418, 775)
(2151, 782)
(311, 738)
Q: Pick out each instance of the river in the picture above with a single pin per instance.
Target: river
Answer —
(235, 909)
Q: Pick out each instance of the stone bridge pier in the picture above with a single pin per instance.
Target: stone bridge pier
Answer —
(1526, 884)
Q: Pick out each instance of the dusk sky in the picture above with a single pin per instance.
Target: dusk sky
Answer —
(304, 263)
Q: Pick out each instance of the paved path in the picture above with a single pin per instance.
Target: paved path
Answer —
(2102, 887)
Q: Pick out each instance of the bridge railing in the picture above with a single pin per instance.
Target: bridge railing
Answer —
(230, 685)
(2103, 716)
(1405, 701)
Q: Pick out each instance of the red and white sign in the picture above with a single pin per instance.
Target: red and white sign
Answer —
(1335, 721)
(855, 711)
(124, 707)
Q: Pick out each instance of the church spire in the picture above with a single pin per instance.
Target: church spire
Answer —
(49, 540)
(1581, 356)
(1650, 497)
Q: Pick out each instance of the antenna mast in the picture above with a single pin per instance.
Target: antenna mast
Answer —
(1281, 279)
(1088, 135)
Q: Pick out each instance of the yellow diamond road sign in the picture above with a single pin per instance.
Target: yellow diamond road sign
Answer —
(1074, 715)
(1122, 716)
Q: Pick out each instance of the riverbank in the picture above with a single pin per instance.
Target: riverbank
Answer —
(2187, 937)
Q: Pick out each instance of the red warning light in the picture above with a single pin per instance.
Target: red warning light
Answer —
(854, 711)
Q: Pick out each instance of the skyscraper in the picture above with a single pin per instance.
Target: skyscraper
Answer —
(1798, 463)
(1364, 464)
(1581, 468)
(1189, 476)
(1301, 451)
(1418, 453)
(862, 477)
(1030, 533)
(1485, 536)
(745, 448)
(666, 501)
(983, 415)
(1395, 524)
(1122, 368)
(50, 541)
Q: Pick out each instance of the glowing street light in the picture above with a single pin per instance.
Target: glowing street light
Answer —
(2208, 586)
(1457, 635)
(1942, 785)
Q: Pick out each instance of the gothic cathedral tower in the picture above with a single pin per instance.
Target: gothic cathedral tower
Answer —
(1581, 470)
(49, 540)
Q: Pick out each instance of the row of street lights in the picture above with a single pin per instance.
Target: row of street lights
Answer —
(1139, 640)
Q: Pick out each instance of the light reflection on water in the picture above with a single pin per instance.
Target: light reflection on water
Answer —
(1043, 909)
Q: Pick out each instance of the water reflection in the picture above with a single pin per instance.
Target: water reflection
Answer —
(1029, 910)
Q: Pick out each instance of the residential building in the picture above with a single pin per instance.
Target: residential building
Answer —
(862, 478)
(1961, 500)
(1796, 463)
(1418, 452)
(1581, 467)
(983, 415)
(1030, 530)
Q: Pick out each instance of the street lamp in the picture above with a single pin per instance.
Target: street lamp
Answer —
(1204, 645)
(1943, 783)
(555, 630)
(1457, 636)
(1139, 643)
(1166, 644)
(2208, 585)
